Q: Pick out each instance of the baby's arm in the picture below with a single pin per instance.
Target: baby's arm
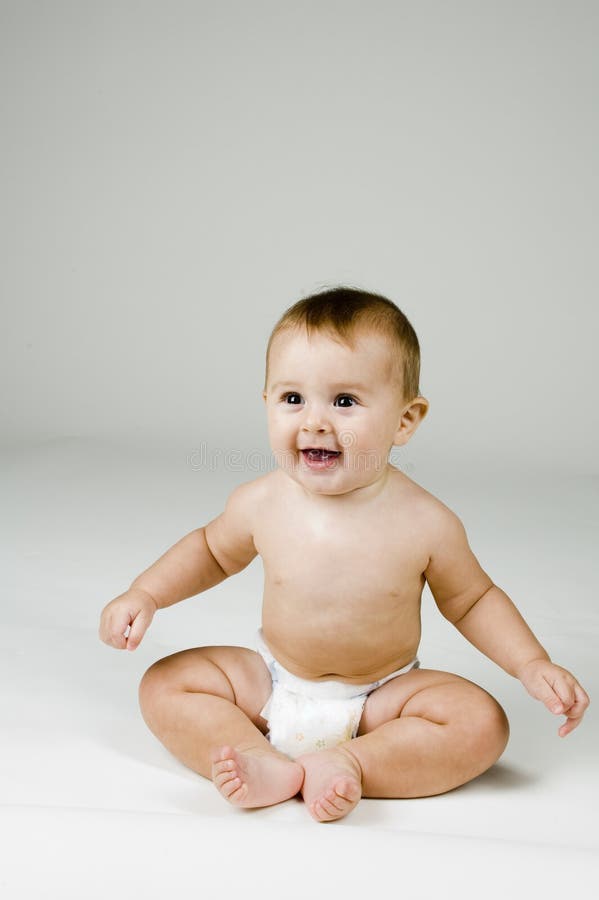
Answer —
(200, 560)
(486, 616)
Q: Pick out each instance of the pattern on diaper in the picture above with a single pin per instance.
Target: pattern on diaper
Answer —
(300, 721)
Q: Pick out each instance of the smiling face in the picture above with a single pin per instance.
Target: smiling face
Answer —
(323, 396)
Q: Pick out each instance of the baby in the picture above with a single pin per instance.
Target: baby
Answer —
(333, 703)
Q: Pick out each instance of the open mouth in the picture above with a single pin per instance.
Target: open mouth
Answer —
(315, 454)
(316, 458)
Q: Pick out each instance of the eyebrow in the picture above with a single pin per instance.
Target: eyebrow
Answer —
(337, 386)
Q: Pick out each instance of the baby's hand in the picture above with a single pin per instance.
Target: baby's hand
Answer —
(134, 608)
(558, 690)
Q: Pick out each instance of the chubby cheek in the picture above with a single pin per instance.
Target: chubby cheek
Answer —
(281, 435)
(368, 452)
(286, 460)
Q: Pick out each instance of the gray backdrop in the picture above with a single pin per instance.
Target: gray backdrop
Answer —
(176, 174)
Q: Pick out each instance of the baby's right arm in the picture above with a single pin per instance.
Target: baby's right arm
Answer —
(200, 560)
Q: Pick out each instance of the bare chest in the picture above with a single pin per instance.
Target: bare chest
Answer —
(342, 581)
(323, 560)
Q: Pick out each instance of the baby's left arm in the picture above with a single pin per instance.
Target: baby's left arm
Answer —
(486, 616)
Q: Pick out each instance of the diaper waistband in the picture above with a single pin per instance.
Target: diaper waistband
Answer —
(328, 689)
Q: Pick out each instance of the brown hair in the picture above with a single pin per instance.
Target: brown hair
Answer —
(341, 312)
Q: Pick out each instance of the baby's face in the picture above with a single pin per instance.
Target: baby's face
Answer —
(321, 395)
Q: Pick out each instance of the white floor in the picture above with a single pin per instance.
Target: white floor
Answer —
(93, 806)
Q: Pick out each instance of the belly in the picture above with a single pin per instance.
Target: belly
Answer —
(350, 642)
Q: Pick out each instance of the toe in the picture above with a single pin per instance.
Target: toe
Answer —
(334, 800)
(221, 780)
(347, 789)
(225, 765)
(230, 787)
(330, 808)
(323, 811)
(238, 793)
(317, 812)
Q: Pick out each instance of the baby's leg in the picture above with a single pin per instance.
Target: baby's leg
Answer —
(204, 706)
(422, 733)
(425, 733)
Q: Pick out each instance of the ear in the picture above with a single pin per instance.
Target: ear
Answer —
(264, 396)
(411, 417)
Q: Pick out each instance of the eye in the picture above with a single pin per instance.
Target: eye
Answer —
(346, 397)
(292, 402)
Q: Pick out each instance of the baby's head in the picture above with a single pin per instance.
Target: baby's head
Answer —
(341, 388)
(344, 313)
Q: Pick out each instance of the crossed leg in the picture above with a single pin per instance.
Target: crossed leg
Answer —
(204, 705)
(422, 733)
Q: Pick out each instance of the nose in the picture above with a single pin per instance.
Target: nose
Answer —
(315, 420)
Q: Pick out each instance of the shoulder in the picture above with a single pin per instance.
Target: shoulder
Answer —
(250, 496)
(248, 493)
(426, 510)
(230, 535)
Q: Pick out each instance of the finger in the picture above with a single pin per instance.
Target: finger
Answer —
(550, 698)
(569, 725)
(579, 707)
(105, 629)
(582, 697)
(139, 626)
(565, 692)
(116, 630)
(119, 641)
(562, 694)
(576, 711)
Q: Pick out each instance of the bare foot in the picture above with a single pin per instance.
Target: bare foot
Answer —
(332, 783)
(254, 777)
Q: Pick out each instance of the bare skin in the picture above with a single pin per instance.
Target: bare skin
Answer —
(188, 701)
(256, 778)
(330, 781)
(347, 550)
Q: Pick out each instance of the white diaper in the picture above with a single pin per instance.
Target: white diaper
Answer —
(304, 716)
